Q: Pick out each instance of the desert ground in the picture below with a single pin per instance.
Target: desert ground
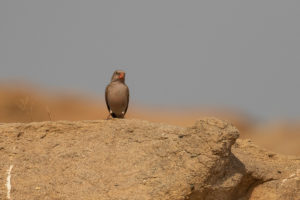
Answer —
(135, 159)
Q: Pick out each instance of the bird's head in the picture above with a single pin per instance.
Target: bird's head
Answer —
(118, 75)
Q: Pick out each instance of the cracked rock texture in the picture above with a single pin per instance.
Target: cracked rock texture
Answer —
(137, 160)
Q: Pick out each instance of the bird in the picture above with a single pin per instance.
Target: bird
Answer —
(117, 95)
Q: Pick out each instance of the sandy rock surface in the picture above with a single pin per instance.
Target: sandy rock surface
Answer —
(134, 159)
(273, 176)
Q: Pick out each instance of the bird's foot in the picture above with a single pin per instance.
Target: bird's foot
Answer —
(108, 117)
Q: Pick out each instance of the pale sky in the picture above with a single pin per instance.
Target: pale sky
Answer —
(236, 54)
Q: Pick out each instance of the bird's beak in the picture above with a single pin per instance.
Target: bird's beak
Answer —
(121, 76)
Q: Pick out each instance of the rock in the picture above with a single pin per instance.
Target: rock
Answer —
(138, 160)
(274, 176)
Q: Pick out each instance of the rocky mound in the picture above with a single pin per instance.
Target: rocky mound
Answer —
(139, 160)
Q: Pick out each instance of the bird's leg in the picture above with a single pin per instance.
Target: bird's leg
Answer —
(109, 115)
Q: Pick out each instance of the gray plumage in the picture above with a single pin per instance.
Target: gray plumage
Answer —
(117, 95)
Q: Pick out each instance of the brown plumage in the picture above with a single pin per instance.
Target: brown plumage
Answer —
(117, 95)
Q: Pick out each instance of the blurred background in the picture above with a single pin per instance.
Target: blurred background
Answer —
(236, 60)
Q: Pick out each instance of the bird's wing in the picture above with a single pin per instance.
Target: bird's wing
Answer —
(106, 93)
(127, 92)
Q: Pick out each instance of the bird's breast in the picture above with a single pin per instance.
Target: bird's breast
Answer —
(117, 97)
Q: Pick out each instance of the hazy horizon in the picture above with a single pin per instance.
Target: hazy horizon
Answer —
(235, 54)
